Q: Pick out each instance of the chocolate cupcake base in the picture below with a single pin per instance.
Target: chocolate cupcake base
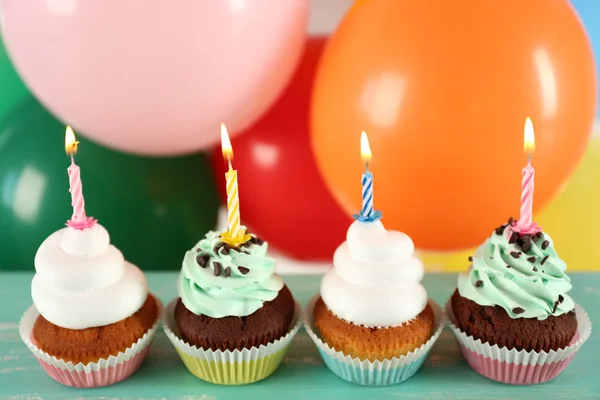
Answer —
(269, 323)
(494, 326)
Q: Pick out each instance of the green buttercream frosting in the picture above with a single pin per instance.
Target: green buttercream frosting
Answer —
(503, 274)
(232, 292)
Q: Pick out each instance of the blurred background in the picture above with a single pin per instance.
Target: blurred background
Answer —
(441, 88)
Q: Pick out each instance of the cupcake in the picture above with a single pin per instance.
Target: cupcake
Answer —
(372, 322)
(232, 310)
(93, 319)
(511, 312)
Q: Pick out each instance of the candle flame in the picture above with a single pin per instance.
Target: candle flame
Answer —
(529, 137)
(365, 149)
(226, 144)
(70, 141)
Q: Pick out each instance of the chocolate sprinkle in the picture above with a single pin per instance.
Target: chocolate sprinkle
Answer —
(198, 250)
(500, 229)
(544, 260)
(518, 310)
(479, 283)
(243, 270)
(555, 305)
(535, 269)
(545, 244)
(254, 240)
(515, 254)
(470, 258)
(531, 259)
(217, 268)
(560, 298)
(513, 237)
(507, 266)
(511, 220)
(227, 272)
(222, 245)
(202, 260)
(524, 241)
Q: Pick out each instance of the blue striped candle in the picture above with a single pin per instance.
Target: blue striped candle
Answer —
(367, 212)
(367, 194)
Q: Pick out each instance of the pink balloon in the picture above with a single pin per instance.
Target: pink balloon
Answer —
(155, 77)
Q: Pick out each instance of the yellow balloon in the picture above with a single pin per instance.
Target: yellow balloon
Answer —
(573, 218)
(442, 261)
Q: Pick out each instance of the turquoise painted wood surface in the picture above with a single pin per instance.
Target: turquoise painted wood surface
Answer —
(445, 374)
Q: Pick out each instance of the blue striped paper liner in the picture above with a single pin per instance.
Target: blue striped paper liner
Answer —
(377, 373)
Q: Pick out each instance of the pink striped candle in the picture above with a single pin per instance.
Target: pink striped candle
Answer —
(78, 220)
(525, 225)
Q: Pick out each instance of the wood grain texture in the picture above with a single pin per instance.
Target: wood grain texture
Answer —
(445, 374)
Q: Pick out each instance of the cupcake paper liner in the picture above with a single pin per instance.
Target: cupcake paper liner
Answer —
(106, 371)
(231, 367)
(373, 373)
(519, 367)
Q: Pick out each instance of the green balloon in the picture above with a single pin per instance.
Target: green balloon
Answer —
(155, 209)
(12, 88)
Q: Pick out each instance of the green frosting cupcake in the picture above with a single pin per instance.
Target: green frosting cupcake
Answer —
(520, 273)
(219, 281)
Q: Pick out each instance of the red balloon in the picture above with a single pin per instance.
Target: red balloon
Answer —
(283, 199)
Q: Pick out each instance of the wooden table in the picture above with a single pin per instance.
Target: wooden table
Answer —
(445, 374)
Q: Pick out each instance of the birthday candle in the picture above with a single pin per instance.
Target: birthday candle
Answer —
(367, 178)
(78, 220)
(233, 201)
(525, 224)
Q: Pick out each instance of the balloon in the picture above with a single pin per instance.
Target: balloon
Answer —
(282, 197)
(572, 220)
(154, 77)
(443, 93)
(446, 261)
(13, 89)
(154, 209)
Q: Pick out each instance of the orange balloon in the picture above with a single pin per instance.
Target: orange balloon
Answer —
(443, 93)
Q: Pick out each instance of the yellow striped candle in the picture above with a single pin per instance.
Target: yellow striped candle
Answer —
(234, 234)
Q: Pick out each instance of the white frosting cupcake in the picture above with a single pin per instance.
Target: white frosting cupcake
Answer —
(375, 281)
(83, 281)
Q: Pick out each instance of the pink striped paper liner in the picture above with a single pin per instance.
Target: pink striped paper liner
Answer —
(104, 372)
(101, 377)
(519, 367)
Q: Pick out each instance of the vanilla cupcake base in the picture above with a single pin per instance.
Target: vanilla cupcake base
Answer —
(102, 373)
(231, 367)
(373, 373)
(519, 367)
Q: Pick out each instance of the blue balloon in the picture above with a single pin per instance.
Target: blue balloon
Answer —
(589, 12)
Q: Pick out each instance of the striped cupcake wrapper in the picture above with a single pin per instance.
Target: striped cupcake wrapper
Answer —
(231, 367)
(105, 372)
(519, 367)
(373, 373)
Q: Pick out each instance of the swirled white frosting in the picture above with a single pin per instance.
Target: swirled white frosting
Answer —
(375, 280)
(83, 281)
